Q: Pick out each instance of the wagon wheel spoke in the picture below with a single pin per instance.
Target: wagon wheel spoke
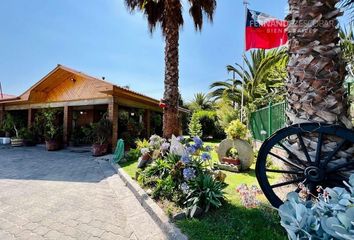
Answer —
(319, 148)
(334, 152)
(287, 183)
(286, 161)
(340, 166)
(304, 149)
(292, 154)
(311, 186)
(285, 171)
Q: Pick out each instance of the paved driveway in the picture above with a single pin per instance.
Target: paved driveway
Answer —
(66, 195)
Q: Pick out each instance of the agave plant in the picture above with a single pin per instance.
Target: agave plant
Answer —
(330, 216)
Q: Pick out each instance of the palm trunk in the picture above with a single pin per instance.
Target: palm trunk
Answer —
(315, 89)
(171, 94)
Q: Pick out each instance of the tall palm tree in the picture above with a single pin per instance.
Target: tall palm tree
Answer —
(201, 101)
(316, 70)
(168, 13)
(260, 79)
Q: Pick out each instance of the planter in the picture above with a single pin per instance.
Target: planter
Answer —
(230, 160)
(17, 142)
(52, 145)
(99, 150)
(244, 150)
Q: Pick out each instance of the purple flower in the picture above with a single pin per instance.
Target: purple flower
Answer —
(165, 146)
(208, 148)
(188, 173)
(185, 159)
(198, 143)
(205, 157)
(180, 138)
(191, 150)
(184, 187)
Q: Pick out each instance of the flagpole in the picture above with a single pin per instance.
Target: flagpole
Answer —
(245, 3)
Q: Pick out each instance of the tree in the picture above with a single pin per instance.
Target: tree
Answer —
(261, 80)
(201, 101)
(315, 89)
(168, 14)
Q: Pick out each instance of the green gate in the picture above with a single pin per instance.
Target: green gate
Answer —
(264, 122)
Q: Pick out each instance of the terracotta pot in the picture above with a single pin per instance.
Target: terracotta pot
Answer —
(230, 160)
(17, 142)
(52, 145)
(146, 156)
(99, 150)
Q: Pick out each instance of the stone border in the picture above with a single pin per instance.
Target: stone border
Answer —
(155, 212)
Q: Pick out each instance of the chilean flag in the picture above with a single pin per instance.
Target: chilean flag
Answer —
(264, 31)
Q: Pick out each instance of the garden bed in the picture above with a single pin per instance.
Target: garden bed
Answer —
(232, 220)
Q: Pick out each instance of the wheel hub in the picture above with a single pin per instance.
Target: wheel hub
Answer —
(314, 174)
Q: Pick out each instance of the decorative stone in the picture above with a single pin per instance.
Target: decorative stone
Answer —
(177, 147)
(220, 176)
(179, 216)
(142, 162)
(244, 149)
(148, 191)
(227, 167)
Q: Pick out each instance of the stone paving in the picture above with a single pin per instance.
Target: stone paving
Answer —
(67, 195)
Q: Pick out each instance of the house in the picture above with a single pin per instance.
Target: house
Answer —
(82, 100)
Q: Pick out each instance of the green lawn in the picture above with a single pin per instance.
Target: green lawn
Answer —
(232, 220)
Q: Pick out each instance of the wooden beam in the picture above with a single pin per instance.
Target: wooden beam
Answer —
(29, 118)
(148, 122)
(131, 103)
(85, 102)
(67, 124)
(113, 117)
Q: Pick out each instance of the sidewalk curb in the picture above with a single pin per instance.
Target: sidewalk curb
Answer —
(156, 213)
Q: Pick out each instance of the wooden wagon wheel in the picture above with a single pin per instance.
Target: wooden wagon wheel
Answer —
(310, 153)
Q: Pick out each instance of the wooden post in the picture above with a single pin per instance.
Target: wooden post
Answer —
(2, 113)
(29, 118)
(113, 117)
(148, 122)
(67, 123)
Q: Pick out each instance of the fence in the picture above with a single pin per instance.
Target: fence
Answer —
(264, 122)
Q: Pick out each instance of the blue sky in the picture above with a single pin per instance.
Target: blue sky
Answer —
(100, 38)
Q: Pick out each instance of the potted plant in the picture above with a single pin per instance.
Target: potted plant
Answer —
(52, 133)
(101, 132)
(235, 150)
(232, 157)
(17, 141)
(10, 125)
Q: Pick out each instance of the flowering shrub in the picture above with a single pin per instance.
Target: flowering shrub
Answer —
(330, 215)
(182, 174)
(249, 195)
(236, 130)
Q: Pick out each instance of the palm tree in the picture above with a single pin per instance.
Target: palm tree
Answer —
(261, 79)
(201, 101)
(168, 13)
(315, 89)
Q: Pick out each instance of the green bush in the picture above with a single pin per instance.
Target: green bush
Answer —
(133, 154)
(195, 128)
(236, 130)
(210, 126)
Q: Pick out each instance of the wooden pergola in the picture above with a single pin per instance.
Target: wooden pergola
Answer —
(69, 89)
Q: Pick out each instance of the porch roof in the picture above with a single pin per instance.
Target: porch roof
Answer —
(61, 77)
